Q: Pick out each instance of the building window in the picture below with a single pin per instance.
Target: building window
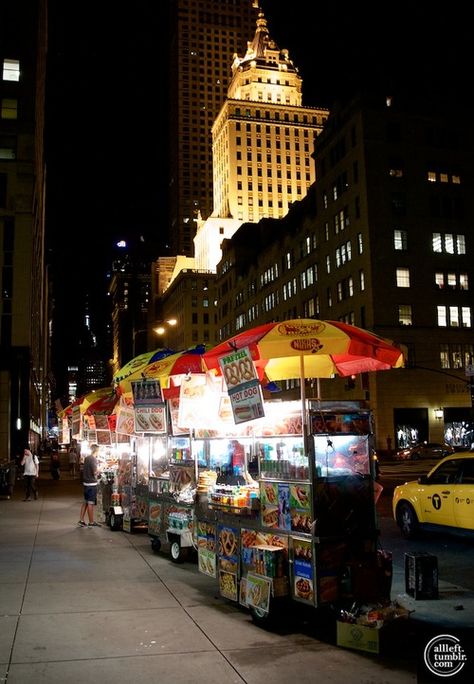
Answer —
(444, 355)
(403, 277)
(448, 243)
(360, 243)
(452, 316)
(9, 108)
(361, 280)
(400, 239)
(11, 70)
(405, 314)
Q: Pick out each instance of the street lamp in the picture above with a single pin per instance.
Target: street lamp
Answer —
(162, 328)
(158, 330)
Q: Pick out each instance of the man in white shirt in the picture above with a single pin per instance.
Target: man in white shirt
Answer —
(30, 465)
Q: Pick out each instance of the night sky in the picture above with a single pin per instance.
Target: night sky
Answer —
(105, 178)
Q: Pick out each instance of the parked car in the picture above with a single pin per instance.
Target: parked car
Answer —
(443, 499)
(424, 450)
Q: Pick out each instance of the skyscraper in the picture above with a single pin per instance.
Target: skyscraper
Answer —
(24, 328)
(203, 38)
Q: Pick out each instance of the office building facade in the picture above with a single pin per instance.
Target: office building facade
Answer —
(382, 241)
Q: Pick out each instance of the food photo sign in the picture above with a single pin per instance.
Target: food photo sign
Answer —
(258, 589)
(303, 580)
(243, 385)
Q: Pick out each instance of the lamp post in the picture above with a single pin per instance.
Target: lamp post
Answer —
(159, 330)
(134, 334)
(162, 328)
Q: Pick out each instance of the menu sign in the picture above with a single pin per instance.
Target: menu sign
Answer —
(243, 386)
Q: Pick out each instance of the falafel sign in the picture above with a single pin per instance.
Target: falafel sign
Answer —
(243, 385)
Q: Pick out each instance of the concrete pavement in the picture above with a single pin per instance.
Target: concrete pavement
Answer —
(78, 604)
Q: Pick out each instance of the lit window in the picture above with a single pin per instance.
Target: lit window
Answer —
(454, 316)
(460, 244)
(437, 242)
(456, 180)
(328, 264)
(432, 176)
(449, 243)
(439, 280)
(463, 281)
(9, 108)
(444, 355)
(442, 318)
(400, 239)
(456, 355)
(452, 280)
(11, 70)
(468, 354)
(405, 314)
(396, 173)
(466, 316)
(443, 177)
(362, 280)
(403, 277)
(360, 243)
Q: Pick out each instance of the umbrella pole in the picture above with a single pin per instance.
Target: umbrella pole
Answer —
(303, 395)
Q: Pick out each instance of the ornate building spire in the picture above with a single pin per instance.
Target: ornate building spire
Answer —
(258, 74)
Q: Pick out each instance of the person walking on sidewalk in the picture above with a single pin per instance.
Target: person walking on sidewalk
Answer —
(73, 458)
(90, 473)
(30, 465)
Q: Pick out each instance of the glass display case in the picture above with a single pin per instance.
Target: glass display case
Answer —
(282, 457)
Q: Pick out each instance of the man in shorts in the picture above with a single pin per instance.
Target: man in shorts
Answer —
(89, 483)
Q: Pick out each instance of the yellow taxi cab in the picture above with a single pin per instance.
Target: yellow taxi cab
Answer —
(442, 499)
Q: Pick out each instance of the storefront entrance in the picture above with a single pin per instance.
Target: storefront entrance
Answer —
(459, 427)
(411, 427)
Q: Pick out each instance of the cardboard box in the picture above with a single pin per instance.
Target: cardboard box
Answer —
(358, 637)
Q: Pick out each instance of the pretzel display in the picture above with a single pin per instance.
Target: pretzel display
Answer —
(227, 542)
(248, 538)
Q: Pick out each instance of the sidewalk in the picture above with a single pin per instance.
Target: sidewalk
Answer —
(91, 604)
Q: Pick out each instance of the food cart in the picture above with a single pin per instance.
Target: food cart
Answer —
(172, 490)
(303, 527)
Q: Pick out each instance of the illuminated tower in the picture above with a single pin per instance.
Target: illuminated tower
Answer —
(203, 37)
(262, 141)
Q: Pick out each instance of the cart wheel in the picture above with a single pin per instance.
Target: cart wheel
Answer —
(262, 618)
(115, 521)
(155, 544)
(177, 553)
(278, 609)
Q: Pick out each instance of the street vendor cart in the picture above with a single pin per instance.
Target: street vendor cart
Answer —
(303, 527)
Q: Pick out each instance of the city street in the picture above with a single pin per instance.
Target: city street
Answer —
(136, 611)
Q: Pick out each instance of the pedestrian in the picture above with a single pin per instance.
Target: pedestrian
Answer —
(89, 474)
(55, 465)
(73, 458)
(30, 465)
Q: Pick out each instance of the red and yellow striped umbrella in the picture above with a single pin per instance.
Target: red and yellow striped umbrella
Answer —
(307, 348)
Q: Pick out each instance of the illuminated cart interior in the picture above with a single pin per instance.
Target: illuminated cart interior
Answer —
(300, 522)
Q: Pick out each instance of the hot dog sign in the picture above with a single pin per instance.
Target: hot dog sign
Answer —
(243, 386)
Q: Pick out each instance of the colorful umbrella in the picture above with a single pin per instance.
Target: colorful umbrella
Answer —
(307, 348)
(134, 366)
(85, 400)
(104, 405)
(171, 370)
